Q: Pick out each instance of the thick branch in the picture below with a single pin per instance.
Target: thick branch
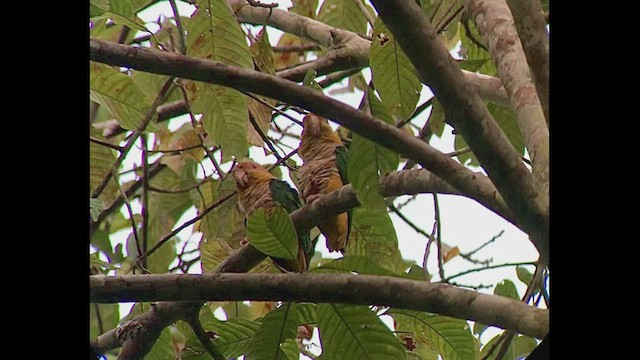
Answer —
(471, 184)
(470, 117)
(532, 30)
(406, 182)
(355, 53)
(341, 288)
(495, 23)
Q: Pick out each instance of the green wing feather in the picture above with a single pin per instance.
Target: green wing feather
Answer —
(342, 159)
(287, 196)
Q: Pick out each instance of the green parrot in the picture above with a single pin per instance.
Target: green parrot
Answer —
(258, 188)
(323, 171)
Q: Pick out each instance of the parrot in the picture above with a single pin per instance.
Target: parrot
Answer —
(258, 188)
(324, 170)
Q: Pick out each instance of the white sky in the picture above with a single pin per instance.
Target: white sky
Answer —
(465, 223)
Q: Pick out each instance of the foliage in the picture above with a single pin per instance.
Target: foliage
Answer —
(191, 182)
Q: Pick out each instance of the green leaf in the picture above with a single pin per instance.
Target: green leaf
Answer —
(102, 318)
(507, 121)
(343, 14)
(507, 288)
(304, 7)
(524, 275)
(393, 74)
(233, 335)
(101, 159)
(98, 7)
(95, 208)
(224, 115)
(355, 332)
(276, 327)
(475, 58)
(479, 328)
(373, 235)
(225, 222)
(449, 337)
(467, 158)
(163, 348)
(118, 93)
(262, 52)
(416, 272)
(290, 348)
(309, 80)
(509, 355)
(214, 33)
(436, 118)
(367, 161)
(151, 84)
(523, 346)
(164, 210)
(354, 263)
(307, 313)
(273, 234)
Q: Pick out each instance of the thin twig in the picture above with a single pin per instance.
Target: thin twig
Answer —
(427, 248)
(406, 220)
(144, 212)
(264, 137)
(435, 10)
(449, 19)
(204, 338)
(334, 77)
(464, 150)
(365, 12)
(134, 136)
(194, 123)
(467, 256)
(274, 108)
(447, 280)
(256, 3)
(134, 226)
(533, 285)
(177, 151)
(176, 16)
(436, 208)
(104, 143)
(96, 307)
(297, 48)
(465, 24)
(475, 287)
(183, 190)
(442, 19)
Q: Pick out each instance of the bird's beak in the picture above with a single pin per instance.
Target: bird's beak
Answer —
(241, 177)
(312, 125)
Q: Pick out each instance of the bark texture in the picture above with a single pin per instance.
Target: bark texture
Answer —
(389, 291)
(470, 117)
(348, 49)
(495, 23)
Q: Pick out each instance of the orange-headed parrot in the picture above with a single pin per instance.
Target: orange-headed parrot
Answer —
(323, 171)
(258, 188)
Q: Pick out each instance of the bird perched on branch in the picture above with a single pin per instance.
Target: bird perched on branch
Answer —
(258, 188)
(323, 171)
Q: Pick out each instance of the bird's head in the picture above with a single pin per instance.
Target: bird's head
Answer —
(314, 126)
(248, 172)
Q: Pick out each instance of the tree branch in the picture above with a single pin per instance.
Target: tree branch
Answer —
(355, 54)
(332, 288)
(495, 24)
(470, 117)
(474, 185)
(532, 31)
